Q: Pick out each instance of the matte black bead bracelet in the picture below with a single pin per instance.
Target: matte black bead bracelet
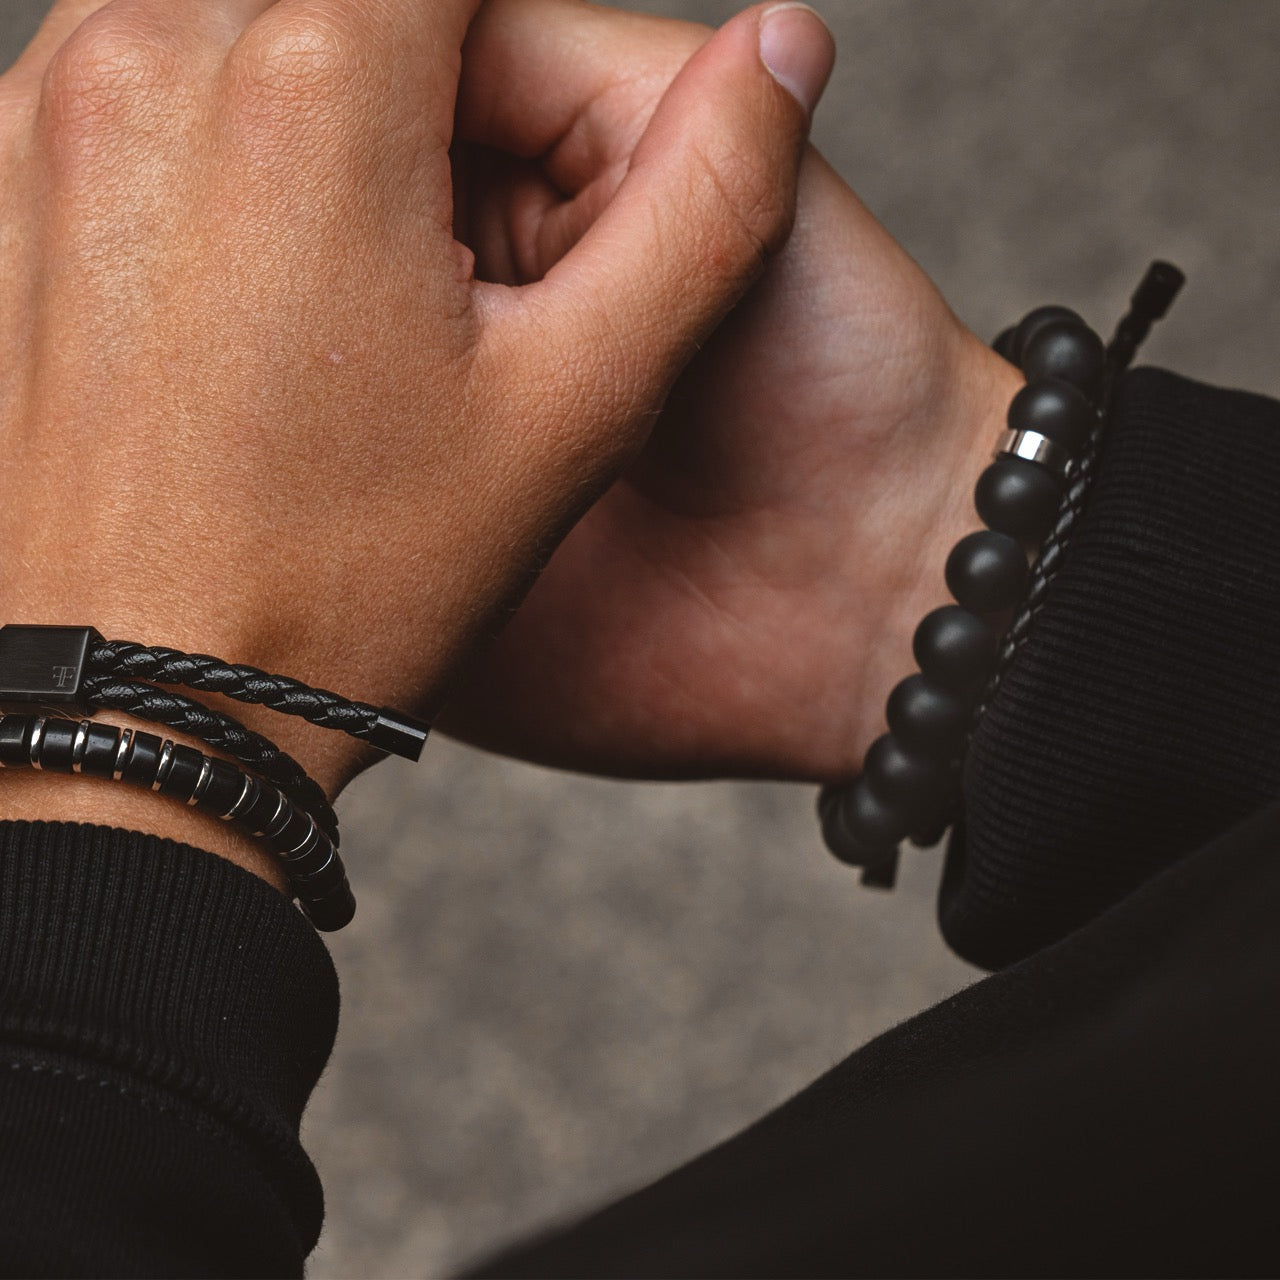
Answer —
(910, 782)
(309, 858)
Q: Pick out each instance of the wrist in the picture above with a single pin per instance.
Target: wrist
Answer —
(141, 691)
(936, 510)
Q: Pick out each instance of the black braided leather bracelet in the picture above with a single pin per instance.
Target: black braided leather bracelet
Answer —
(1030, 496)
(381, 727)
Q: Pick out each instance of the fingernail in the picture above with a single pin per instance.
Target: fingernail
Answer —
(798, 49)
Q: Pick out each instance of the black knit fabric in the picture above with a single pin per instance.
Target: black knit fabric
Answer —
(164, 1017)
(1105, 1108)
(1144, 715)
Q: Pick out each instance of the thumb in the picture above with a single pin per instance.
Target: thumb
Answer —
(709, 195)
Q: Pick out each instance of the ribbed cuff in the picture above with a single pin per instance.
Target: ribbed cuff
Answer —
(1143, 715)
(172, 965)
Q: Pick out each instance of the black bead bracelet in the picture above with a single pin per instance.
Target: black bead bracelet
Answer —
(317, 878)
(910, 785)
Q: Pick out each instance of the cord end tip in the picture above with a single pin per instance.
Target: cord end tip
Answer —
(399, 734)
(1159, 287)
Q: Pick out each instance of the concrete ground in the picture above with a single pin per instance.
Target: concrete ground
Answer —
(557, 987)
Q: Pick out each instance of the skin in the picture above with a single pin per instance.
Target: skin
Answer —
(743, 599)
(255, 399)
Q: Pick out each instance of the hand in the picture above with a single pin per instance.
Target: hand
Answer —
(253, 399)
(742, 601)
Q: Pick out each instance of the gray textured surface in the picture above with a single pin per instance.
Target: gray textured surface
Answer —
(557, 987)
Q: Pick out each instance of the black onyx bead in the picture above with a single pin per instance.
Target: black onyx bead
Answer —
(927, 834)
(987, 571)
(290, 837)
(15, 739)
(945, 813)
(1019, 498)
(1004, 344)
(1069, 351)
(224, 787)
(57, 745)
(332, 912)
(870, 821)
(99, 760)
(926, 719)
(143, 759)
(186, 764)
(282, 819)
(262, 810)
(945, 802)
(899, 777)
(311, 859)
(1031, 323)
(834, 835)
(954, 649)
(319, 877)
(837, 835)
(1054, 409)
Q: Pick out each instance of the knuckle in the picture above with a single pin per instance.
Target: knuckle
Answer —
(110, 68)
(290, 68)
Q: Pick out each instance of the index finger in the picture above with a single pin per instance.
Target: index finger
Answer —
(538, 73)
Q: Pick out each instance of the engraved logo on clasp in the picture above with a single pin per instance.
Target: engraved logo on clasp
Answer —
(64, 677)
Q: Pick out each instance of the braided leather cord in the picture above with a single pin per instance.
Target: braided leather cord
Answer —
(1154, 296)
(109, 692)
(125, 660)
(1049, 561)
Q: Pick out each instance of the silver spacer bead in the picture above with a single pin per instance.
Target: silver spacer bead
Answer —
(301, 882)
(122, 754)
(304, 846)
(37, 741)
(249, 789)
(79, 745)
(1035, 447)
(202, 783)
(162, 769)
(282, 806)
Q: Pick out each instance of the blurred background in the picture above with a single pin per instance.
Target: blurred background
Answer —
(558, 988)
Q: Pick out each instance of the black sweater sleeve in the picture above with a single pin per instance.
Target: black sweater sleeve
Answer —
(1143, 716)
(1105, 1104)
(1105, 1108)
(164, 1017)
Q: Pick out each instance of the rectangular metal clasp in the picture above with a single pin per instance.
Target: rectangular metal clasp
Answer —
(44, 665)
